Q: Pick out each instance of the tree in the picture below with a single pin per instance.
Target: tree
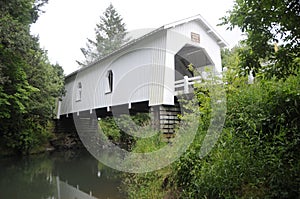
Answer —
(110, 35)
(24, 11)
(29, 84)
(273, 35)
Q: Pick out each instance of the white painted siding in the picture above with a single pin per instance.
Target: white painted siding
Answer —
(183, 32)
(138, 75)
(144, 71)
(67, 99)
(158, 58)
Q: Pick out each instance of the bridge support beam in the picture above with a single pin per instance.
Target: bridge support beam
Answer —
(165, 118)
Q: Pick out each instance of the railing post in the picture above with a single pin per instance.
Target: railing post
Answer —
(250, 78)
(186, 85)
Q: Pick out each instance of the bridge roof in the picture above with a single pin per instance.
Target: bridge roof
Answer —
(221, 42)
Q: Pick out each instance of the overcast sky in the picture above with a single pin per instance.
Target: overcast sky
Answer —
(64, 27)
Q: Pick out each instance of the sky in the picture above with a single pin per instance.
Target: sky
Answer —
(66, 24)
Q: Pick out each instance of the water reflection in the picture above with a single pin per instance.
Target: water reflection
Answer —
(60, 175)
(66, 191)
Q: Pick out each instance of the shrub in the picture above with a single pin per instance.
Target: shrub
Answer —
(258, 154)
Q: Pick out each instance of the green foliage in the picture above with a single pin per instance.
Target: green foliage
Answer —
(29, 84)
(232, 65)
(24, 11)
(138, 185)
(151, 144)
(116, 128)
(147, 185)
(230, 58)
(110, 35)
(257, 155)
(110, 129)
(267, 23)
(28, 137)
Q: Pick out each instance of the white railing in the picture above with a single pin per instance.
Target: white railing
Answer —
(182, 86)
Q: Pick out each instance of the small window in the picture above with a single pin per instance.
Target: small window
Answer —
(109, 82)
(195, 37)
(79, 91)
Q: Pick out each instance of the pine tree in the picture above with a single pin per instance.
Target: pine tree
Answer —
(110, 35)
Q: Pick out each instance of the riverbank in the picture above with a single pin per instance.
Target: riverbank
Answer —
(56, 142)
(257, 154)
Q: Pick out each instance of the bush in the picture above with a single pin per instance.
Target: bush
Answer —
(258, 154)
(116, 128)
(27, 138)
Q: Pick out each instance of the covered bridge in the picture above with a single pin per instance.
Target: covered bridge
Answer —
(145, 74)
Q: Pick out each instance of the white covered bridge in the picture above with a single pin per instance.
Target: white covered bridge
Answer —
(147, 73)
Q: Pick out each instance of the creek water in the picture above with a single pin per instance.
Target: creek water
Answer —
(58, 175)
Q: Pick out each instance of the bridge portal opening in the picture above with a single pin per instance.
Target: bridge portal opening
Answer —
(190, 60)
